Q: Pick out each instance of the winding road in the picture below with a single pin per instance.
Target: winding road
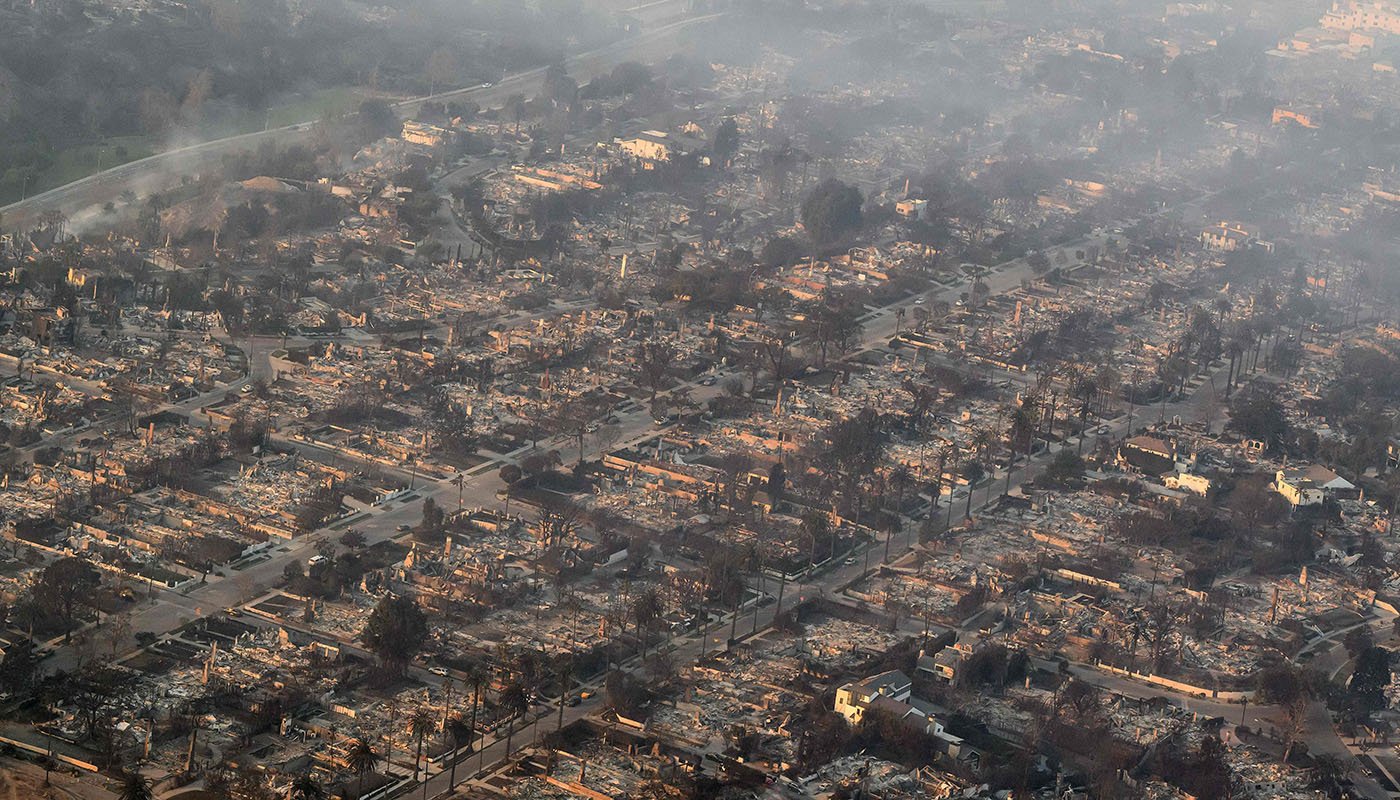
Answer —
(166, 170)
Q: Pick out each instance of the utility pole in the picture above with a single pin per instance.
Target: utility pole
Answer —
(733, 621)
(565, 689)
(1132, 399)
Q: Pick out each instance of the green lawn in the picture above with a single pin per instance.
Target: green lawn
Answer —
(82, 160)
(314, 106)
(306, 107)
(79, 161)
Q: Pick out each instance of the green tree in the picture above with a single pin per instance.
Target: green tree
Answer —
(1369, 679)
(395, 631)
(559, 89)
(19, 667)
(831, 211)
(1065, 468)
(629, 77)
(1260, 416)
(726, 142)
(1280, 685)
(377, 120)
(780, 251)
(63, 585)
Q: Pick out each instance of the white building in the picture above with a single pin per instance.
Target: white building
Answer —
(892, 693)
(1308, 486)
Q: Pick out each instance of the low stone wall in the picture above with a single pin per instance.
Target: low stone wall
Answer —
(1179, 686)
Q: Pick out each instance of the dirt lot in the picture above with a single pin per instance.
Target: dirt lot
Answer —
(20, 780)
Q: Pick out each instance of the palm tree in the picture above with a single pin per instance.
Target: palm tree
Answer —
(1223, 306)
(1236, 347)
(477, 676)
(362, 760)
(460, 733)
(982, 441)
(514, 703)
(306, 787)
(392, 706)
(420, 725)
(136, 787)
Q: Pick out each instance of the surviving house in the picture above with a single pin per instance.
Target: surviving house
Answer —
(892, 693)
(946, 662)
(853, 699)
(1311, 485)
(1148, 455)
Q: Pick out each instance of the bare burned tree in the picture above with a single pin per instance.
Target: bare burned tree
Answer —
(654, 360)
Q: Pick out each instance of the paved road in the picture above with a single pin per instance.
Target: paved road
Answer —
(878, 330)
(170, 609)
